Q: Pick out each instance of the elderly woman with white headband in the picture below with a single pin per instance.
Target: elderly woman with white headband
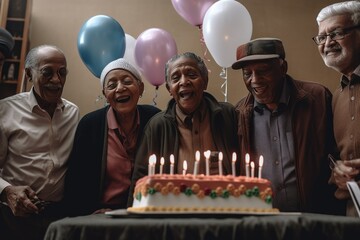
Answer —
(101, 162)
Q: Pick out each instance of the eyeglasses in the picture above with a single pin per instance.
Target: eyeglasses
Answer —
(335, 35)
(48, 72)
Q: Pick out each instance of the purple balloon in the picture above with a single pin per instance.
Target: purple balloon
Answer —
(153, 48)
(193, 11)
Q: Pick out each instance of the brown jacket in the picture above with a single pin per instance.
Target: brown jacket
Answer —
(310, 106)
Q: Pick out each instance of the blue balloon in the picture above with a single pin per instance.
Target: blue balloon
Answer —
(101, 40)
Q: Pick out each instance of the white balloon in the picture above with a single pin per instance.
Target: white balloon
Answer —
(227, 24)
(130, 49)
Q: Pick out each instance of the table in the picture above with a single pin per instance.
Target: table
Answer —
(292, 226)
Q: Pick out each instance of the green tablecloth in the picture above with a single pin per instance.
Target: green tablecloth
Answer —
(296, 226)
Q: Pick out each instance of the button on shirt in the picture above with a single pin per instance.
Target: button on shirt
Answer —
(34, 147)
(346, 109)
(273, 138)
(195, 135)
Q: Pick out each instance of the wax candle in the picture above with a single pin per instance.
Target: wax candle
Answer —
(184, 167)
(252, 165)
(233, 164)
(172, 162)
(149, 165)
(220, 163)
(153, 165)
(247, 161)
(197, 161)
(261, 162)
(207, 159)
(162, 161)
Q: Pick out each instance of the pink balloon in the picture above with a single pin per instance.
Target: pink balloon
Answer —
(193, 11)
(153, 48)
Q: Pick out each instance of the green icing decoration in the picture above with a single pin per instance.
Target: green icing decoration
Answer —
(268, 199)
(248, 193)
(151, 191)
(188, 192)
(255, 191)
(213, 194)
(225, 194)
(138, 196)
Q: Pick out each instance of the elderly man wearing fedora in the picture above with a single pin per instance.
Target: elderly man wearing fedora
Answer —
(289, 123)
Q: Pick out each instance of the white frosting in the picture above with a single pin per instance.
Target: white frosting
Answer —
(183, 201)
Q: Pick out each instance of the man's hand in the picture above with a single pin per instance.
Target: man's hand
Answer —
(344, 171)
(20, 200)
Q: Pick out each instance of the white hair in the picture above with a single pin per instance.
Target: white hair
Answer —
(351, 8)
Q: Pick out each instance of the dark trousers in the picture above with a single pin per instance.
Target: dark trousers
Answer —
(31, 227)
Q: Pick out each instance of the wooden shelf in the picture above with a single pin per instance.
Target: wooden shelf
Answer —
(15, 17)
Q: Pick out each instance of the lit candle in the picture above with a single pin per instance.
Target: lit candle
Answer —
(149, 165)
(233, 164)
(153, 165)
(162, 161)
(184, 167)
(252, 165)
(247, 161)
(261, 162)
(197, 161)
(207, 159)
(172, 162)
(220, 163)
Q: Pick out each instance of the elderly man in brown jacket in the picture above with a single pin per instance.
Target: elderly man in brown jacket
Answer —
(289, 123)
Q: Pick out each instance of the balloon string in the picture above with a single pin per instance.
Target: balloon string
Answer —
(156, 94)
(203, 45)
(224, 86)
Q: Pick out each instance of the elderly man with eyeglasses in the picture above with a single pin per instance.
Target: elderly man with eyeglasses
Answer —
(338, 42)
(36, 136)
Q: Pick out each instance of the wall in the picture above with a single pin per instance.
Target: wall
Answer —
(58, 23)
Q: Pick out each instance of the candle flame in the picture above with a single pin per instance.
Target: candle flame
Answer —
(234, 157)
(252, 165)
(261, 161)
(197, 155)
(207, 154)
(221, 156)
(162, 160)
(172, 159)
(152, 159)
(185, 165)
(247, 158)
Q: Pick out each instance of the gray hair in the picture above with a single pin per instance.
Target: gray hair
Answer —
(201, 65)
(351, 8)
(32, 60)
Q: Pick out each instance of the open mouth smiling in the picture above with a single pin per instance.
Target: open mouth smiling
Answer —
(53, 88)
(123, 99)
(259, 89)
(186, 94)
(332, 51)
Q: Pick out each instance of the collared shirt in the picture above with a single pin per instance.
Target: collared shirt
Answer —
(34, 147)
(346, 109)
(195, 135)
(120, 158)
(273, 138)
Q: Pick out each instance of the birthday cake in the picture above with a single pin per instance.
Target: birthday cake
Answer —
(200, 193)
